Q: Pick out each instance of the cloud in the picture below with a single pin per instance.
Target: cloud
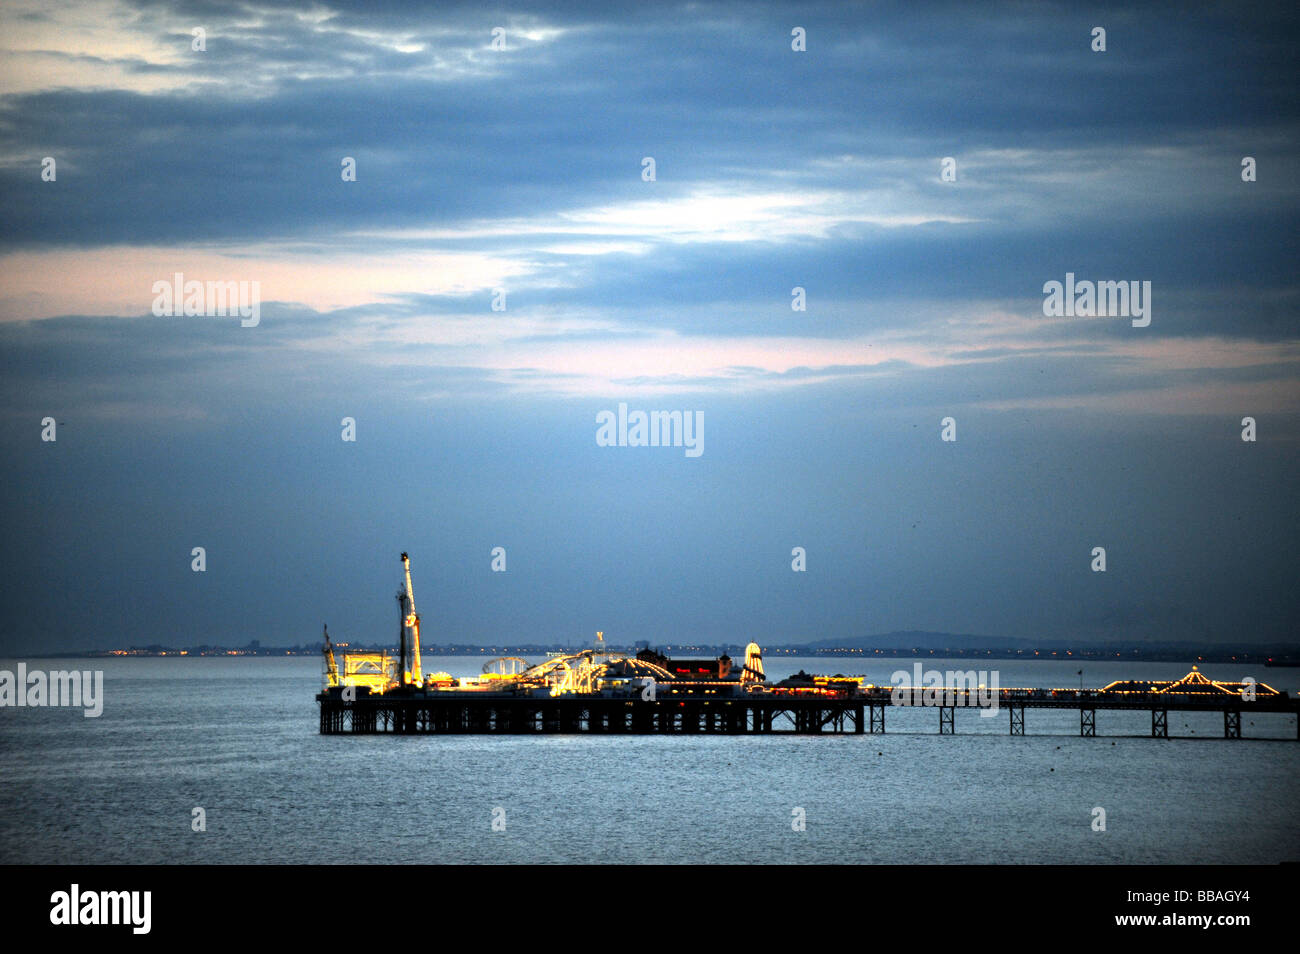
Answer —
(521, 170)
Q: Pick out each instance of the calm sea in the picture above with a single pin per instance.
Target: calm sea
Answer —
(238, 738)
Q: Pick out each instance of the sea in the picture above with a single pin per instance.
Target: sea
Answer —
(219, 761)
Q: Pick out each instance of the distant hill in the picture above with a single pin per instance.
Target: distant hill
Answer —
(919, 639)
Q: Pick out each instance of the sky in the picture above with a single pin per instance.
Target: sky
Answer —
(504, 268)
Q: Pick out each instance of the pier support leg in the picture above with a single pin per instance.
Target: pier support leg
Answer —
(1232, 724)
(1159, 723)
(858, 723)
(878, 720)
(1017, 720)
(947, 720)
(1088, 723)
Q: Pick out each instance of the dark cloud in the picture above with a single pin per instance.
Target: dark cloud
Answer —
(1122, 165)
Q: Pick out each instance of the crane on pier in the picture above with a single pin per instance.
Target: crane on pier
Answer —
(413, 676)
(331, 667)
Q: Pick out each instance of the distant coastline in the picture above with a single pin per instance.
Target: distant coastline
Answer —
(937, 645)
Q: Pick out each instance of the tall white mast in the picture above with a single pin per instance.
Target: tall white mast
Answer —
(413, 623)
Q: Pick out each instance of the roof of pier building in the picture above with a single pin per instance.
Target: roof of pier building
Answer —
(1194, 683)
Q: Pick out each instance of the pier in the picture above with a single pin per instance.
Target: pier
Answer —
(600, 690)
(861, 711)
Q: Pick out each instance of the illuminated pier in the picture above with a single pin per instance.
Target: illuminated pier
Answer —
(621, 696)
(602, 691)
